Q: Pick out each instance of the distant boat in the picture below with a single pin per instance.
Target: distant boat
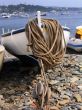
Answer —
(24, 15)
(5, 15)
(43, 14)
(2, 50)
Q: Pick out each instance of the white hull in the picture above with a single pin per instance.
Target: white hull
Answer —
(2, 50)
(67, 35)
(16, 43)
(75, 44)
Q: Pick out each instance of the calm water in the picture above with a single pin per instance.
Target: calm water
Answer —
(72, 20)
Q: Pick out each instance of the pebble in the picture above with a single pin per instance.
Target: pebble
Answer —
(54, 108)
(52, 82)
(80, 87)
(78, 97)
(1, 97)
(74, 79)
(64, 102)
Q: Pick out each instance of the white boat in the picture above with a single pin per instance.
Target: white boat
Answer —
(5, 15)
(75, 44)
(2, 50)
(66, 31)
(16, 41)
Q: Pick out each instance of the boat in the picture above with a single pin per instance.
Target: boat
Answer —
(5, 15)
(16, 41)
(2, 50)
(75, 43)
(66, 31)
(43, 14)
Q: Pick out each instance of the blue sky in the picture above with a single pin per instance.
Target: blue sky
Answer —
(64, 3)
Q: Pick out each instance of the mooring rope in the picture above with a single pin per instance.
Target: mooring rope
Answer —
(46, 45)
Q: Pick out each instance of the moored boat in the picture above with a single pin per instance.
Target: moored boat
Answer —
(66, 31)
(16, 41)
(5, 15)
(75, 43)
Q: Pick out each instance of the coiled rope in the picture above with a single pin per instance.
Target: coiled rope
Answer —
(50, 48)
(46, 45)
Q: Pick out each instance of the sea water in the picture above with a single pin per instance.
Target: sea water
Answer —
(70, 20)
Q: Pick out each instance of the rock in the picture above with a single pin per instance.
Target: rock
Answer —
(74, 79)
(79, 107)
(10, 92)
(76, 73)
(54, 108)
(1, 97)
(63, 102)
(80, 86)
(52, 82)
(78, 97)
(2, 103)
(79, 81)
(80, 69)
(26, 93)
(73, 85)
(64, 97)
(66, 108)
(50, 71)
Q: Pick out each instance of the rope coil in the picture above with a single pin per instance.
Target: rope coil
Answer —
(46, 45)
(48, 48)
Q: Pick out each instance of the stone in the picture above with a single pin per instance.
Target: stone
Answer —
(64, 97)
(76, 73)
(1, 97)
(52, 82)
(79, 81)
(10, 92)
(63, 102)
(74, 79)
(79, 107)
(80, 86)
(50, 71)
(73, 85)
(78, 97)
(54, 108)
(80, 69)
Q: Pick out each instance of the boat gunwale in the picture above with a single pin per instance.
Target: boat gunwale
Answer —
(13, 32)
(74, 45)
(22, 30)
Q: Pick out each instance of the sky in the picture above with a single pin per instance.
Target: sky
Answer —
(60, 3)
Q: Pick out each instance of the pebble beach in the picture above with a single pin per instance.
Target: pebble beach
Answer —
(17, 82)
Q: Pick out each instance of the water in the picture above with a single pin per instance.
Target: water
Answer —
(70, 20)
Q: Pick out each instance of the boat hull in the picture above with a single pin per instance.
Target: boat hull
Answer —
(16, 42)
(75, 44)
(67, 35)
